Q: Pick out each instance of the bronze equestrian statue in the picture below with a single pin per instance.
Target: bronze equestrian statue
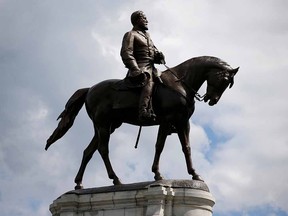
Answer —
(111, 103)
(139, 55)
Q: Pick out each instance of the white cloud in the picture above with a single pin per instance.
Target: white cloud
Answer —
(51, 49)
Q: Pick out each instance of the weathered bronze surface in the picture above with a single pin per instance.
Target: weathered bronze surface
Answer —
(109, 105)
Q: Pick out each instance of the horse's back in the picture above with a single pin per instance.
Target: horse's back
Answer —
(104, 84)
(107, 93)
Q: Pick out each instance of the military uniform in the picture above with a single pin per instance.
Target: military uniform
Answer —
(139, 54)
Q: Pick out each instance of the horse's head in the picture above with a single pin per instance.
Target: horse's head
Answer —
(217, 82)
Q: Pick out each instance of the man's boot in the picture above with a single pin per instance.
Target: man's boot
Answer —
(145, 109)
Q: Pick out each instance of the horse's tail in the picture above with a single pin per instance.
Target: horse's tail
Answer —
(68, 116)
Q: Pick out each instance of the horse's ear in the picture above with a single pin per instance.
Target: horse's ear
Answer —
(233, 73)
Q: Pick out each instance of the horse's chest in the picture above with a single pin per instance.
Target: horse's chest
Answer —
(169, 101)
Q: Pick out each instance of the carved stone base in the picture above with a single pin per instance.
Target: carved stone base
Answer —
(160, 198)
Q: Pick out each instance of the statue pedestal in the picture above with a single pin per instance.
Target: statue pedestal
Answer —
(160, 198)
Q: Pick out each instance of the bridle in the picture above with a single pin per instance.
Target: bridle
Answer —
(180, 79)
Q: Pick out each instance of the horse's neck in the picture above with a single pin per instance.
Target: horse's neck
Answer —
(192, 75)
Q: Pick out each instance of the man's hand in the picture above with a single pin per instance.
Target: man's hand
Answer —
(140, 78)
(159, 58)
(162, 58)
(135, 72)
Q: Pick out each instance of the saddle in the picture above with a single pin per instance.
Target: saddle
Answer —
(130, 83)
(129, 90)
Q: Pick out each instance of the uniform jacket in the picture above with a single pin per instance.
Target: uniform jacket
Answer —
(138, 53)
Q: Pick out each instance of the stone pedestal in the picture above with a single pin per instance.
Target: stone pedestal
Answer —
(160, 198)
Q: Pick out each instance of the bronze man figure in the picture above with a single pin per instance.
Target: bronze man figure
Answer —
(139, 55)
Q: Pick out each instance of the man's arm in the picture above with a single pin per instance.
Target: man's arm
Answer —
(127, 52)
(159, 57)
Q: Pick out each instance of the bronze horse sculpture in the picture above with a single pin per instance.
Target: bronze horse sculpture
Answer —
(109, 105)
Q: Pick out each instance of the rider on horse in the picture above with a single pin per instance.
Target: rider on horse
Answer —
(139, 55)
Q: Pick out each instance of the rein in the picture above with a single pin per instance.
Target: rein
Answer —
(197, 95)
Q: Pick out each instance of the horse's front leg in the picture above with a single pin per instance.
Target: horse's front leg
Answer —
(183, 130)
(161, 138)
(104, 136)
(87, 155)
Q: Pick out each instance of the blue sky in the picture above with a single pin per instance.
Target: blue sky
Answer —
(49, 49)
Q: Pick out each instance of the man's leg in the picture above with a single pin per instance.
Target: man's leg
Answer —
(145, 110)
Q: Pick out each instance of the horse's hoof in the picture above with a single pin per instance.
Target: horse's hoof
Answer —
(78, 187)
(158, 177)
(198, 178)
(117, 182)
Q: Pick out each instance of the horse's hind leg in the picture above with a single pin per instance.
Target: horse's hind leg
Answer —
(183, 134)
(161, 138)
(87, 155)
(104, 136)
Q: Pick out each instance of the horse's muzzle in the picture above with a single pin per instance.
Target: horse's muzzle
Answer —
(212, 101)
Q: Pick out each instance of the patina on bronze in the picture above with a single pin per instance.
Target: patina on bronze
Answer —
(109, 104)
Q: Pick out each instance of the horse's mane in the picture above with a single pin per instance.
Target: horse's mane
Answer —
(209, 61)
